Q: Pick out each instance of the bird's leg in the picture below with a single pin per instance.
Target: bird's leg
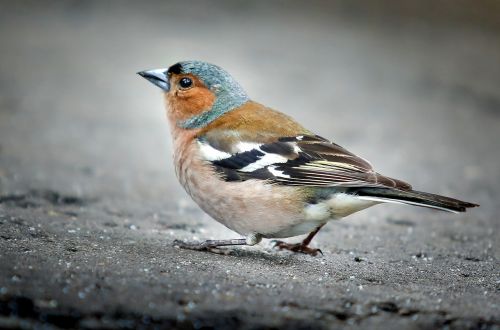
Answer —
(301, 247)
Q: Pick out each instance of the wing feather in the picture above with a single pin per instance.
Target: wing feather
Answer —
(303, 160)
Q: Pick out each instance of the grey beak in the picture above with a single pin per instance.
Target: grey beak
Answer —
(158, 77)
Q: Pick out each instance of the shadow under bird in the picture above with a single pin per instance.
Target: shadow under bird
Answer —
(259, 172)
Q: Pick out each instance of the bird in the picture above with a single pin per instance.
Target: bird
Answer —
(259, 172)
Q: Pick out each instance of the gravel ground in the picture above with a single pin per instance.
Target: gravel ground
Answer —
(89, 204)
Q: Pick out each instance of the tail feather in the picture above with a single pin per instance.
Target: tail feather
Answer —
(413, 197)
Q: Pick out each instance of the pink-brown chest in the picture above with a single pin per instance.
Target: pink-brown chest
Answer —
(247, 207)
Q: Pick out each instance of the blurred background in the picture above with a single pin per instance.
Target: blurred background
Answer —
(85, 151)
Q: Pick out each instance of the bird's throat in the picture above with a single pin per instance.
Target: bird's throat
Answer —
(223, 104)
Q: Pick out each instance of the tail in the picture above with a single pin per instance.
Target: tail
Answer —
(413, 197)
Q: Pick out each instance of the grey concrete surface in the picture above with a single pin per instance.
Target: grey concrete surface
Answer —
(89, 204)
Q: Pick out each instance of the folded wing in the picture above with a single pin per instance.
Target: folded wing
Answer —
(303, 160)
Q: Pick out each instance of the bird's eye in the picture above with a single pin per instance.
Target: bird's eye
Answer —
(185, 82)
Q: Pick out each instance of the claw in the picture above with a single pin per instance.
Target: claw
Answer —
(200, 246)
(298, 247)
(178, 243)
(191, 246)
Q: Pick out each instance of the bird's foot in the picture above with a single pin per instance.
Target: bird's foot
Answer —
(197, 246)
(297, 247)
(209, 245)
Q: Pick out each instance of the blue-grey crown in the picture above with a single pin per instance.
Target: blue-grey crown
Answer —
(229, 94)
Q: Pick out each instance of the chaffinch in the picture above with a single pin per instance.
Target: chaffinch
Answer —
(259, 172)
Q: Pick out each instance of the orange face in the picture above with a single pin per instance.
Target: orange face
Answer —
(187, 97)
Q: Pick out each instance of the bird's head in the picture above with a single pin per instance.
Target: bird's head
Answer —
(197, 92)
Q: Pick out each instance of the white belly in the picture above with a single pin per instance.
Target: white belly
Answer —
(341, 205)
(336, 207)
